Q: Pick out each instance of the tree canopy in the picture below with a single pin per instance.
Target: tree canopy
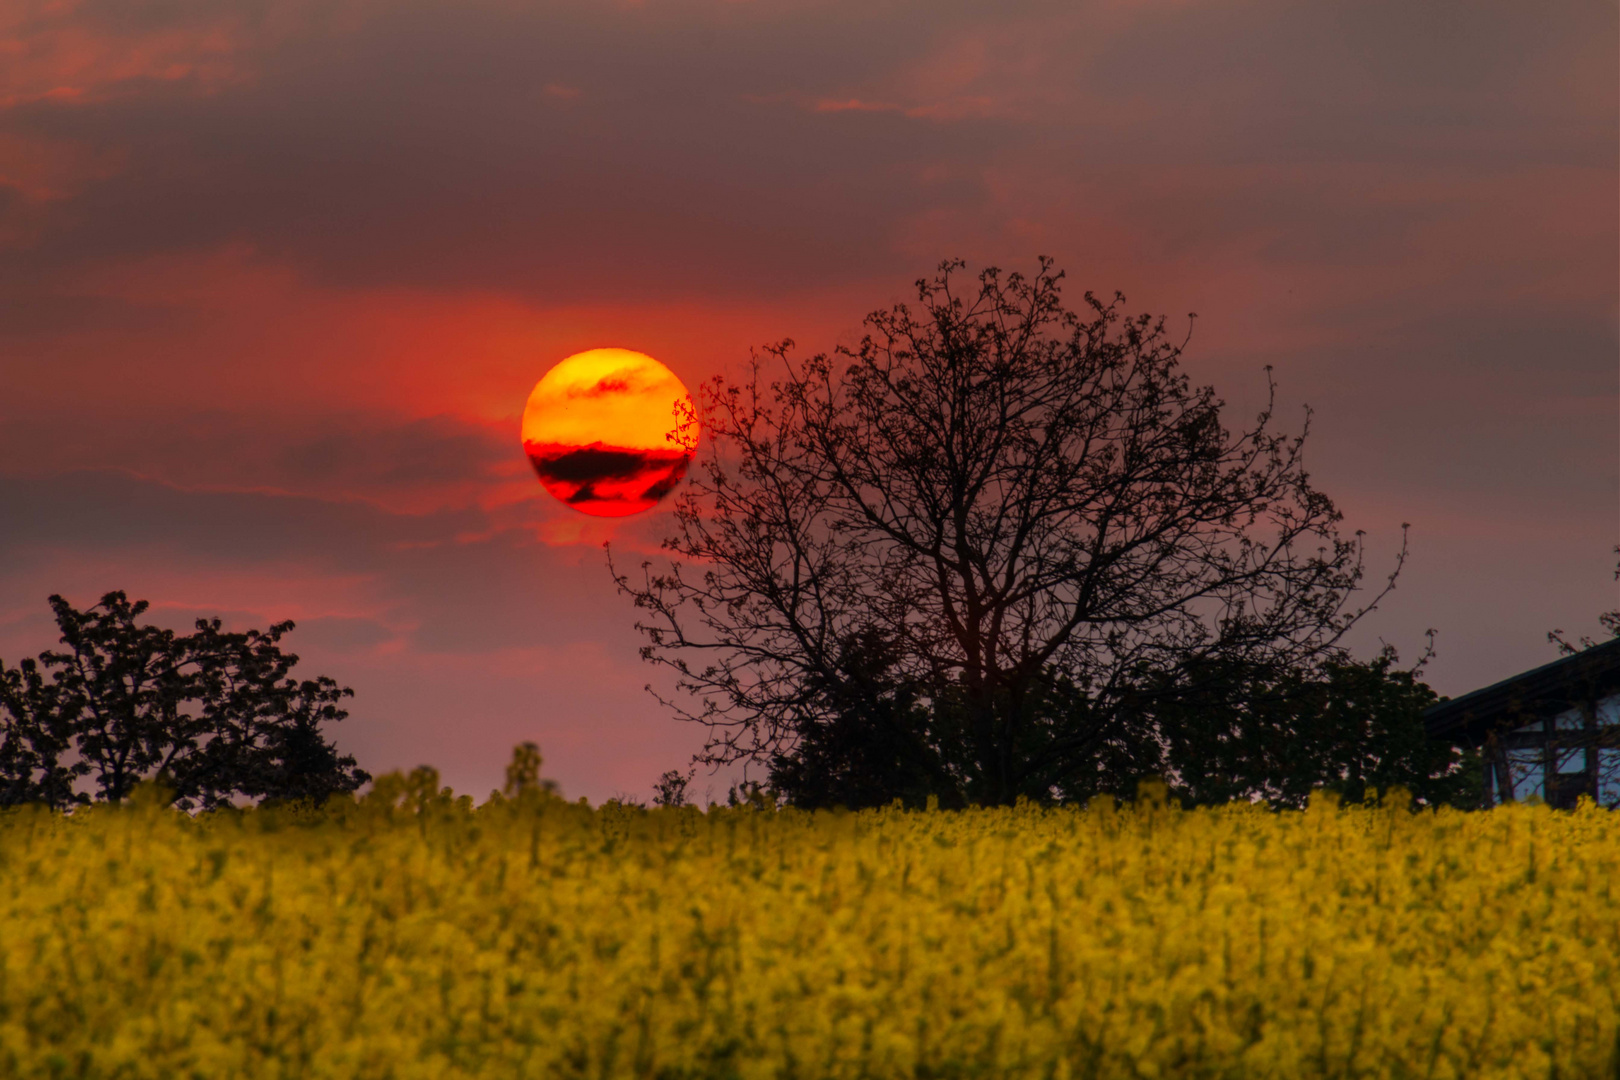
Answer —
(1356, 727)
(212, 715)
(970, 556)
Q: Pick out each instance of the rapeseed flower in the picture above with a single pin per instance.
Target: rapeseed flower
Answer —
(411, 934)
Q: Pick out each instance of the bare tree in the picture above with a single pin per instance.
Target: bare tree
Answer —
(962, 541)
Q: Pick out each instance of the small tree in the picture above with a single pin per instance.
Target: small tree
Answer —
(212, 715)
(946, 555)
(523, 780)
(670, 790)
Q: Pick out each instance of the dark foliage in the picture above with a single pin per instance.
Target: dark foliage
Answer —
(874, 741)
(889, 742)
(211, 715)
(671, 788)
(940, 562)
(1239, 733)
(34, 739)
(523, 780)
(1220, 732)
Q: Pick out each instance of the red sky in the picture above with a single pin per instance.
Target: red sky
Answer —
(276, 277)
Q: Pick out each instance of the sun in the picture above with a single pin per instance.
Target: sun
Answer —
(610, 432)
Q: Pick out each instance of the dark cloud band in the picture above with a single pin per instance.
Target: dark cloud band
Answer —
(594, 474)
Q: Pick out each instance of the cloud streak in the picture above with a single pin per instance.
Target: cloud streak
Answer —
(608, 480)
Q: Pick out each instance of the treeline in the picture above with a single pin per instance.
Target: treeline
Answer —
(218, 717)
(999, 550)
(212, 716)
(1220, 734)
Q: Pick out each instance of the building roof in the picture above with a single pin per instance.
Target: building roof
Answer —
(1539, 692)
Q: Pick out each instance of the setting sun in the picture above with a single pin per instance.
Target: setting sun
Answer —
(609, 431)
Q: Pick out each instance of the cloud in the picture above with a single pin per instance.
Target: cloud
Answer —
(406, 145)
(587, 464)
(458, 580)
(827, 105)
(608, 479)
(111, 511)
(399, 462)
(82, 52)
(608, 384)
(657, 179)
(341, 633)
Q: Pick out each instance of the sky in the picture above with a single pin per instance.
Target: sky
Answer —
(277, 277)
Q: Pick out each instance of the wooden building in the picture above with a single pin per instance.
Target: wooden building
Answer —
(1551, 733)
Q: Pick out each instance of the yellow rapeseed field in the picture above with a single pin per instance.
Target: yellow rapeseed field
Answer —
(413, 935)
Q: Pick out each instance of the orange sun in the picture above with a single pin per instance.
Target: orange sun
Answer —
(610, 431)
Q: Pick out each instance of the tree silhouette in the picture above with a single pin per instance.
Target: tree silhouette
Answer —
(959, 545)
(34, 739)
(212, 715)
(670, 788)
(1241, 733)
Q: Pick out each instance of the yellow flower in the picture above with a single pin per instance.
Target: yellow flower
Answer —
(412, 935)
